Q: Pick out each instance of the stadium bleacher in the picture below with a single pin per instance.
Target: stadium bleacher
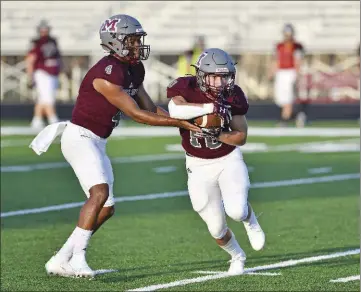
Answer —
(172, 26)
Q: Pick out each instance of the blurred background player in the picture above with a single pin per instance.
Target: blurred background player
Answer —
(285, 69)
(189, 57)
(43, 65)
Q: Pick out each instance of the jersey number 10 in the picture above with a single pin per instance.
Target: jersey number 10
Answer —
(211, 143)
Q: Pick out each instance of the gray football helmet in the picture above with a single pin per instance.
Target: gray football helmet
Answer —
(289, 29)
(215, 62)
(116, 35)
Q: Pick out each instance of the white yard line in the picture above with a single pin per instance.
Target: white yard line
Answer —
(347, 279)
(155, 157)
(278, 265)
(99, 272)
(263, 274)
(18, 143)
(269, 184)
(171, 131)
(249, 273)
(344, 145)
(165, 169)
(320, 170)
(56, 165)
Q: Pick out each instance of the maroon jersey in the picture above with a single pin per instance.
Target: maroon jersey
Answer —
(286, 52)
(47, 54)
(92, 110)
(205, 147)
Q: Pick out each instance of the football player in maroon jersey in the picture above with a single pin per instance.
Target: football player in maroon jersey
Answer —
(43, 64)
(218, 179)
(112, 87)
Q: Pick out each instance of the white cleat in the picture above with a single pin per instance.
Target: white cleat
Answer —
(255, 233)
(37, 124)
(81, 269)
(301, 120)
(237, 265)
(60, 267)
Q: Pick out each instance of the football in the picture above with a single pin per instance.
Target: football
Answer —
(209, 121)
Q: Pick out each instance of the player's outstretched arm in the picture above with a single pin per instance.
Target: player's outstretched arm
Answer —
(120, 99)
(146, 103)
(30, 61)
(179, 108)
(238, 135)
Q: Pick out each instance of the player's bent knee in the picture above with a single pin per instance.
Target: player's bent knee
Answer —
(99, 192)
(110, 211)
(217, 231)
(238, 214)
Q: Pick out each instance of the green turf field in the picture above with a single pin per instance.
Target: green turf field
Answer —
(252, 123)
(160, 241)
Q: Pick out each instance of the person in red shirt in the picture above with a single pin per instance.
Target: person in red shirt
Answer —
(285, 68)
(43, 64)
(113, 87)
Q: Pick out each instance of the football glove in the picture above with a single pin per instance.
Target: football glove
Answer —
(223, 110)
(211, 132)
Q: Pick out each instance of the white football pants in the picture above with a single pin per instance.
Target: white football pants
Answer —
(86, 154)
(284, 87)
(218, 186)
(46, 86)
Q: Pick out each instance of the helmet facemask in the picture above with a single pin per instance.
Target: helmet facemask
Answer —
(134, 44)
(132, 47)
(216, 86)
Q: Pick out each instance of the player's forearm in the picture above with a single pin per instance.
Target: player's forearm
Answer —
(149, 118)
(30, 60)
(29, 69)
(188, 111)
(162, 112)
(273, 68)
(235, 138)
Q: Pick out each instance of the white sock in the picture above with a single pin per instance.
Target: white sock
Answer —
(67, 249)
(233, 248)
(37, 121)
(53, 119)
(81, 241)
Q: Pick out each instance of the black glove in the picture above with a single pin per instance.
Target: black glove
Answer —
(223, 110)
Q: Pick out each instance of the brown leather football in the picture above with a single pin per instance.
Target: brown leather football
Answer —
(209, 121)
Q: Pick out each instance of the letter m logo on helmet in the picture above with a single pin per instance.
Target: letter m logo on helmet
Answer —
(110, 25)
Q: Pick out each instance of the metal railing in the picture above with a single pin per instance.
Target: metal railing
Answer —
(14, 87)
(316, 80)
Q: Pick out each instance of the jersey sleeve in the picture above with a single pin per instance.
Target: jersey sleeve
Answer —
(176, 87)
(239, 103)
(299, 52)
(112, 73)
(34, 48)
(58, 54)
